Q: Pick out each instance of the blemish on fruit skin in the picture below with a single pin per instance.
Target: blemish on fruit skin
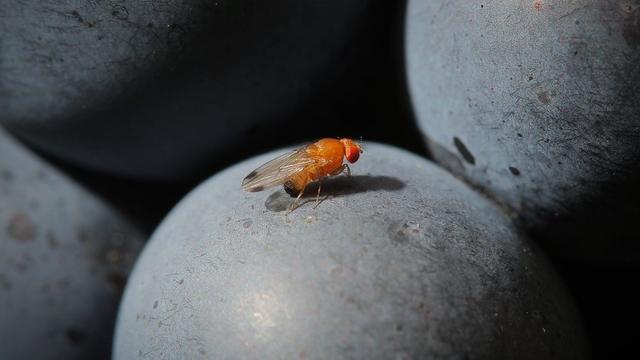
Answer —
(117, 281)
(75, 336)
(52, 240)
(21, 228)
(630, 28)
(537, 5)
(402, 232)
(5, 284)
(464, 151)
(544, 97)
(514, 171)
(6, 175)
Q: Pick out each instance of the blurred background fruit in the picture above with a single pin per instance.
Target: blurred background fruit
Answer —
(170, 90)
(536, 103)
(64, 261)
(402, 260)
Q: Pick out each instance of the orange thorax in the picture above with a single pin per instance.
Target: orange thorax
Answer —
(328, 152)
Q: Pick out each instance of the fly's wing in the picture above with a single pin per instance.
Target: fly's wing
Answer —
(277, 171)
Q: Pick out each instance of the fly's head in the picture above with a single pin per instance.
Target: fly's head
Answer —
(352, 150)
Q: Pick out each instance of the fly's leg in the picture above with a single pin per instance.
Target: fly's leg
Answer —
(293, 205)
(344, 168)
(339, 170)
(318, 201)
(318, 196)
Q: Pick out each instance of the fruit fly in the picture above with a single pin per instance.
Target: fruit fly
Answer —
(298, 168)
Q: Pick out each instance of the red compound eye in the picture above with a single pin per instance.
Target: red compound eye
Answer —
(352, 154)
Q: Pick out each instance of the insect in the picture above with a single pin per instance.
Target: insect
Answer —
(298, 168)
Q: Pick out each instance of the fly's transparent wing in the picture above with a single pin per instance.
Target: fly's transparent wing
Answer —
(277, 171)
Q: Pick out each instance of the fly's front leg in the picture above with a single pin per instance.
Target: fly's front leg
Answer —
(344, 168)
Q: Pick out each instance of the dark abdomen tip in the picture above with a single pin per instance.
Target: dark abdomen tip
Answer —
(290, 188)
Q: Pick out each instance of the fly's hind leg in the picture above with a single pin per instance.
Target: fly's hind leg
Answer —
(294, 205)
(318, 195)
